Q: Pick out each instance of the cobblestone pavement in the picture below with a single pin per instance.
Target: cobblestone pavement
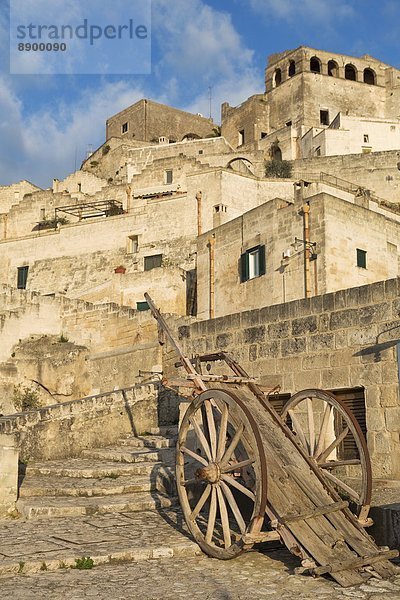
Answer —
(253, 575)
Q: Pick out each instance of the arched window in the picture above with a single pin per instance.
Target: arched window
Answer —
(276, 153)
(292, 68)
(350, 72)
(315, 65)
(333, 69)
(277, 77)
(369, 77)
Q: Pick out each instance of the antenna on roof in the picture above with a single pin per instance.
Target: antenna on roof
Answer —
(210, 99)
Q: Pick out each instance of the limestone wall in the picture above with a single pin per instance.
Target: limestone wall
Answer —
(13, 194)
(341, 340)
(377, 171)
(71, 347)
(64, 430)
(147, 120)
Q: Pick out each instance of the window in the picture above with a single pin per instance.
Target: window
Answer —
(366, 138)
(276, 153)
(350, 72)
(152, 262)
(317, 151)
(333, 68)
(369, 77)
(315, 65)
(42, 214)
(393, 128)
(22, 277)
(169, 176)
(142, 306)
(354, 399)
(292, 68)
(252, 263)
(277, 80)
(241, 137)
(324, 117)
(79, 187)
(361, 258)
(124, 127)
(264, 135)
(288, 123)
(133, 244)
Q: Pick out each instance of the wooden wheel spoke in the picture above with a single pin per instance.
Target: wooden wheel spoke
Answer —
(232, 482)
(203, 499)
(234, 507)
(202, 438)
(299, 430)
(222, 432)
(224, 519)
(232, 447)
(334, 464)
(211, 516)
(352, 493)
(311, 426)
(211, 429)
(197, 457)
(322, 457)
(324, 428)
(239, 465)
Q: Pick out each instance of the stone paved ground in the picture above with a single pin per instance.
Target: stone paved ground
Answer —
(30, 546)
(252, 576)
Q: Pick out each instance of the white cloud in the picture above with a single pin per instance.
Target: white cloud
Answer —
(44, 145)
(198, 42)
(323, 12)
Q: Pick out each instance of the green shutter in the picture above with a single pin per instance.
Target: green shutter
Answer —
(261, 257)
(244, 267)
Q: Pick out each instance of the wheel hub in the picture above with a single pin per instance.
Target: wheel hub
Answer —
(211, 473)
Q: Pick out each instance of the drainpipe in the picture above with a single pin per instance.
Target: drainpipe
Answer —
(307, 251)
(199, 197)
(145, 121)
(211, 247)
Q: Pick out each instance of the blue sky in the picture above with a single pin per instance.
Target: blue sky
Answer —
(47, 122)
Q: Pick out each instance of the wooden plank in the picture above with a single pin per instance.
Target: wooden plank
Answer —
(356, 537)
(322, 510)
(223, 378)
(259, 538)
(357, 563)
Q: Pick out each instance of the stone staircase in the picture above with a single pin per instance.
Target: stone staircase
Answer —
(134, 475)
(110, 505)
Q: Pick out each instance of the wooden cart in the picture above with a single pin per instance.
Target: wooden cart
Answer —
(246, 474)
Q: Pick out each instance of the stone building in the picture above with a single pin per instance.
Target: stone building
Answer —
(282, 250)
(149, 121)
(318, 103)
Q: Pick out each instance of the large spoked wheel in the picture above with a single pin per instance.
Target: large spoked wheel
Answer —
(221, 473)
(331, 436)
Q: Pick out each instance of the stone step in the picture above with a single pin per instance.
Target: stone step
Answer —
(122, 454)
(40, 486)
(87, 468)
(155, 442)
(51, 507)
(32, 546)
